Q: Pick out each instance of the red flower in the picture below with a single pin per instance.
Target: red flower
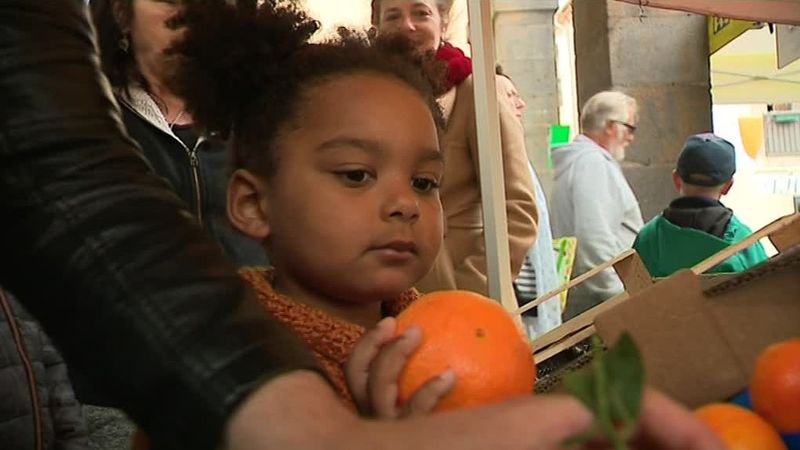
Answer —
(459, 66)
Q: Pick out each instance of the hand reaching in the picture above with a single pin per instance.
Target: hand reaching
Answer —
(375, 366)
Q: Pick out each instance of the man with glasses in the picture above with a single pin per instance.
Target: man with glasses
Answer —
(591, 198)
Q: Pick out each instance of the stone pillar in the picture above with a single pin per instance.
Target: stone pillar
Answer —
(526, 49)
(660, 57)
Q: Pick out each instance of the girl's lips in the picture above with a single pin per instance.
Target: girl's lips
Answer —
(399, 246)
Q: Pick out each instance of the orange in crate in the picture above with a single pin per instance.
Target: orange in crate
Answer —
(740, 428)
(775, 386)
(476, 338)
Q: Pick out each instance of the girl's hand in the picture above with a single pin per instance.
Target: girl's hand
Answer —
(373, 369)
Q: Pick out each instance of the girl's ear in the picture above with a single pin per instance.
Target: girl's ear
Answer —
(248, 204)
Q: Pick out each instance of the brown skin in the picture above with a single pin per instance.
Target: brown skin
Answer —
(299, 410)
(351, 217)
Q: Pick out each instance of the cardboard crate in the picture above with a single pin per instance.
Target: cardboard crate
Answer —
(699, 334)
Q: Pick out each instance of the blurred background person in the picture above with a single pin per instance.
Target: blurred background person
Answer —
(591, 198)
(132, 36)
(538, 274)
(697, 225)
(462, 261)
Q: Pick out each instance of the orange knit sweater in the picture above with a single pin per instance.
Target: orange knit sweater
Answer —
(330, 338)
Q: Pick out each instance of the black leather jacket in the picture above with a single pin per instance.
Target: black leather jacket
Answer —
(100, 251)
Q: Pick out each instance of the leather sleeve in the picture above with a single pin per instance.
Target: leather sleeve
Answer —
(105, 255)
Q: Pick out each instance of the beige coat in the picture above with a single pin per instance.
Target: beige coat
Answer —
(462, 261)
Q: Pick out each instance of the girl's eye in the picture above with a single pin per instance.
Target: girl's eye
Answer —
(425, 184)
(354, 177)
(423, 13)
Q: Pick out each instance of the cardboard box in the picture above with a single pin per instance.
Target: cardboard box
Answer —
(699, 344)
(699, 334)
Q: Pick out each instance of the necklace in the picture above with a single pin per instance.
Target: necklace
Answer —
(177, 118)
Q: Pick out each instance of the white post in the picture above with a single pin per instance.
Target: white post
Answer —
(493, 196)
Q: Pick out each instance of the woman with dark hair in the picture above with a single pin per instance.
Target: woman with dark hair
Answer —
(462, 261)
(132, 36)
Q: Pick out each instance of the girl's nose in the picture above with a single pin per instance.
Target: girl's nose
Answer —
(402, 204)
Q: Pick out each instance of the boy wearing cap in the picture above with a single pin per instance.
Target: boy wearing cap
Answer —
(696, 225)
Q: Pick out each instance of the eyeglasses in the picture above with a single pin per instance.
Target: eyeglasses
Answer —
(631, 128)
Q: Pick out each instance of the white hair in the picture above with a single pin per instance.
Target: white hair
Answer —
(604, 107)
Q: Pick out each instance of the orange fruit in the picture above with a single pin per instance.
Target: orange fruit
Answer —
(740, 428)
(476, 338)
(775, 386)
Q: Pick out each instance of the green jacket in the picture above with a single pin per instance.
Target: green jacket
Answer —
(666, 248)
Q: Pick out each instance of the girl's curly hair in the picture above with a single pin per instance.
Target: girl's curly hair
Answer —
(242, 72)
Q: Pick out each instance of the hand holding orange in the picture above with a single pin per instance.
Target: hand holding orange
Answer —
(477, 339)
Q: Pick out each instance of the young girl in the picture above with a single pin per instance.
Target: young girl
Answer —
(337, 173)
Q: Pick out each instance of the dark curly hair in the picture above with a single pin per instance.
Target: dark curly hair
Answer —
(244, 72)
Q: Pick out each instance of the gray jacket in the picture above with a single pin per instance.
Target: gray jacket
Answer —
(593, 201)
(38, 409)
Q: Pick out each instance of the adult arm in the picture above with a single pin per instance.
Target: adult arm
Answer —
(105, 255)
(541, 422)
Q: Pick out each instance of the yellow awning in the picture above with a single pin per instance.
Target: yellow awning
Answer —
(745, 71)
(753, 79)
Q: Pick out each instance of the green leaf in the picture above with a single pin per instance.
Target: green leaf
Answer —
(581, 385)
(625, 380)
(611, 387)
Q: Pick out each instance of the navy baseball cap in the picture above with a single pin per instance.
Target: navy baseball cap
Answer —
(706, 160)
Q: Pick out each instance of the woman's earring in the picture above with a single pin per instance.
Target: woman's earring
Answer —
(124, 44)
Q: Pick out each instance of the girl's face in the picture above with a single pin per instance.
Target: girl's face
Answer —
(352, 215)
(419, 20)
(149, 33)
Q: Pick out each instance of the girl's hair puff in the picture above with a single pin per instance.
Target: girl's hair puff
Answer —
(244, 72)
